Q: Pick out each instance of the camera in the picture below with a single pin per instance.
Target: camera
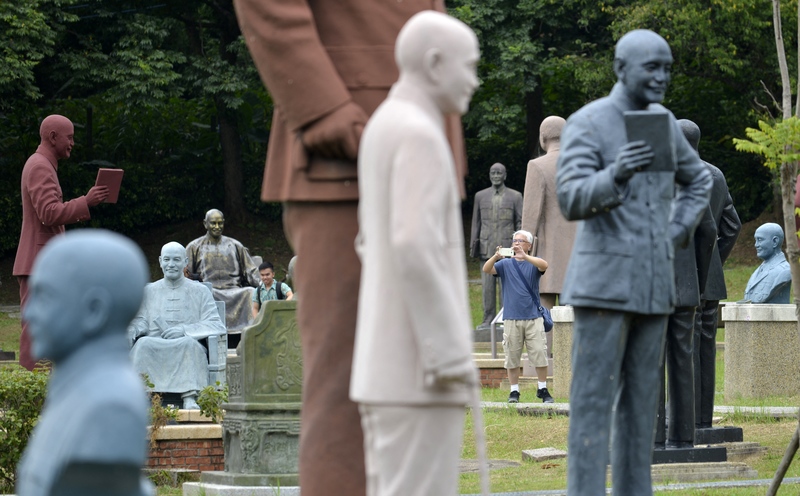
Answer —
(506, 252)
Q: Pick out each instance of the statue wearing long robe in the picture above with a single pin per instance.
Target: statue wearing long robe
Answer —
(227, 265)
(174, 365)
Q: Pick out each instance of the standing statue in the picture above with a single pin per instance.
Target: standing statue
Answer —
(620, 276)
(553, 234)
(496, 215)
(177, 312)
(327, 65)
(85, 288)
(772, 280)
(44, 211)
(691, 266)
(226, 264)
(728, 226)
(412, 363)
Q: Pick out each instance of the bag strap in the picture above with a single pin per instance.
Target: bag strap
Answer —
(527, 284)
(278, 291)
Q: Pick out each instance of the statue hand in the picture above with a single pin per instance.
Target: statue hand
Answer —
(173, 333)
(463, 372)
(337, 134)
(631, 158)
(96, 195)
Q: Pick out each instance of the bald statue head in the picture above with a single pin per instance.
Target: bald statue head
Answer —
(85, 284)
(57, 134)
(173, 260)
(691, 132)
(643, 63)
(439, 55)
(214, 223)
(497, 174)
(769, 239)
(550, 131)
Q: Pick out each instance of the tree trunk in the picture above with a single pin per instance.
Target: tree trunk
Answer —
(234, 210)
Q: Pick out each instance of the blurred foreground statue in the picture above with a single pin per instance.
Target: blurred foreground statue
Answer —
(91, 438)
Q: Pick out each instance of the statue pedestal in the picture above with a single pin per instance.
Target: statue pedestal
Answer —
(563, 318)
(761, 350)
(261, 428)
(692, 454)
(718, 435)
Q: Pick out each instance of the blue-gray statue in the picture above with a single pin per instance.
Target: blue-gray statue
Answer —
(91, 437)
(620, 275)
(175, 315)
(772, 280)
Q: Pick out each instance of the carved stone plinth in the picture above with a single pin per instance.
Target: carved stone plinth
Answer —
(689, 455)
(718, 435)
(261, 429)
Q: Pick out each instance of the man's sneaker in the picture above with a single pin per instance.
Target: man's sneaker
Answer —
(544, 394)
(513, 397)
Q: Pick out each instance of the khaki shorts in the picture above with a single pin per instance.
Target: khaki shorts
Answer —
(528, 332)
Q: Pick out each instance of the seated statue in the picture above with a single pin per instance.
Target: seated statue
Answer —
(227, 265)
(772, 280)
(175, 314)
(91, 435)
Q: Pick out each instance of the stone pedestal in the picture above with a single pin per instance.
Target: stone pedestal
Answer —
(262, 422)
(761, 350)
(718, 435)
(694, 454)
(563, 318)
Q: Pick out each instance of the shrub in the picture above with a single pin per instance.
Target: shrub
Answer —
(21, 398)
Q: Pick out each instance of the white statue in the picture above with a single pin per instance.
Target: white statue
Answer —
(412, 364)
(176, 313)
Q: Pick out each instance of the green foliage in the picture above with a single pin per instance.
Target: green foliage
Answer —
(778, 144)
(22, 395)
(210, 401)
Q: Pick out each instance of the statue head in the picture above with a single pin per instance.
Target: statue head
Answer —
(267, 273)
(214, 223)
(642, 63)
(769, 238)
(439, 55)
(550, 131)
(290, 269)
(173, 260)
(691, 132)
(85, 284)
(57, 134)
(497, 174)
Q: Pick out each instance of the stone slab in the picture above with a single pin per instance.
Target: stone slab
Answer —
(249, 480)
(189, 431)
(741, 451)
(542, 454)
(8, 355)
(697, 454)
(688, 472)
(718, 435)
(484, 335)
(471, 465)
(204, 489)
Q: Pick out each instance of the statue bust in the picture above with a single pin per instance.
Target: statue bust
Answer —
(496, 215)
(176, 313)
(772, 280)
(226, 264)
(85, 288)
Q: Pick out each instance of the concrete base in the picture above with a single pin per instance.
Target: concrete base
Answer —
(8, 355)
(484, 335)
(718, 435)
(688, 472)
(203, 489)
(738, 452)
(689, 455)
(249, 480)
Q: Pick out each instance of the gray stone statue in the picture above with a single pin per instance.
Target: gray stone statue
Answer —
(91, 437)
(496, 215)
(553, 234)
(413, 370)
(772, 280)
(620, 275)
(176, 313)
(227, 265)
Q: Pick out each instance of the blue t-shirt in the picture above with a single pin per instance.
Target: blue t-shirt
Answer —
(517, 300)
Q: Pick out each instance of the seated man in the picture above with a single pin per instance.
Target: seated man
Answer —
(226, 264)
(176, 313)
(772, 280)
(91, 434)
(269, 288)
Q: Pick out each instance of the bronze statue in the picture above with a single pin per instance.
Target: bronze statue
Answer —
(496, 214)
